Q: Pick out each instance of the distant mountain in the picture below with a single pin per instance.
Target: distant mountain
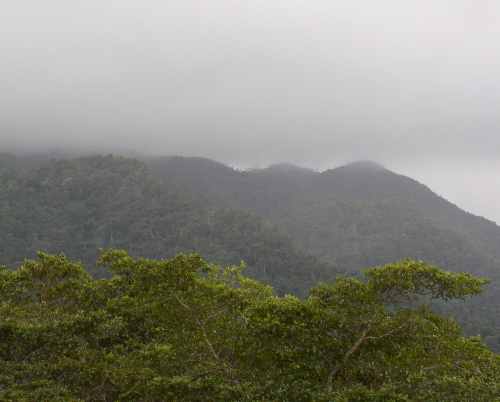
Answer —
(286, 169)
(292, 226)
(356, 216)
(78, 206)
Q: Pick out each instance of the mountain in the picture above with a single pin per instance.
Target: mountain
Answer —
(357, 216)
(81, 205)
(292, 226)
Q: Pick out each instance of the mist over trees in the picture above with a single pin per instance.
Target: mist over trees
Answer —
(190, 209)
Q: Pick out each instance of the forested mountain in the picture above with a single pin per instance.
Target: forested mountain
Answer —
(292, 226)
(78, 206)
(357, 216)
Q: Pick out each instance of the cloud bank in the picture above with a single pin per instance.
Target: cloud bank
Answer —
(412, 84)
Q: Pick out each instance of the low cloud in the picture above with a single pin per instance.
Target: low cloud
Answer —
(413, 85)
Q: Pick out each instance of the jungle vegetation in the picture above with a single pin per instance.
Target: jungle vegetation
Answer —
(182, 329)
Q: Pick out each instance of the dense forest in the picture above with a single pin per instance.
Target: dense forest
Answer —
(79, 206)
(357, 216)
(291, 226)
(185, 330)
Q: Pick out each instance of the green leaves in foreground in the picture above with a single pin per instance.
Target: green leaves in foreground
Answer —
(185, 330)
(411, 278)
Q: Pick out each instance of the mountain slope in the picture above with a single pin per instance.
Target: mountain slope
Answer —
(357, 216)
(350, 214)
(351, 217)
(81, 205)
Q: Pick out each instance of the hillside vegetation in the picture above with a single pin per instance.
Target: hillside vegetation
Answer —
(293, 227)
(79, 206)
(357, 216)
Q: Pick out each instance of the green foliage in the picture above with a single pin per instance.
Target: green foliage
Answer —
(292, 227)
(418, 278)
(79, 206)
(358, 216)
(182, 329)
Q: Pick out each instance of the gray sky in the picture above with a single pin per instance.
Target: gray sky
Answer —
(413, 84)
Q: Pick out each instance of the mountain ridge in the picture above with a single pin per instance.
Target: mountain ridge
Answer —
(292, 229)
(361, 215)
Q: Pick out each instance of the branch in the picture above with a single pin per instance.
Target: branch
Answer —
(202, 328)
(391, 332)
(226, 365)
(346, 357)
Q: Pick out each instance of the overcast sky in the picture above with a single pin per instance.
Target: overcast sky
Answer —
(413, 84)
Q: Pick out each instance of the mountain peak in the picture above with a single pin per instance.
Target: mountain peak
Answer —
(365, 165)
(288, 168)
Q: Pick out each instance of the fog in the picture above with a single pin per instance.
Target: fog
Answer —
(411, 84)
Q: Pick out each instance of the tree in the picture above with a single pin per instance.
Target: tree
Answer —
(186, 330)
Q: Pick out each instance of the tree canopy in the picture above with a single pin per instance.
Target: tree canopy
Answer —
(182, 329)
